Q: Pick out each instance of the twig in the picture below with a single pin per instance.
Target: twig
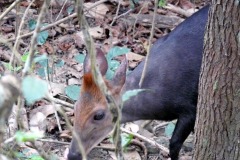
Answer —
(146, 139)
(60, 21)
(16, 44)
(61, 9)
(53, 141)
(54, 105)
(149, 45)
(58, 101)
(135, 22)
(118, 7)
(28, 63)
(133, 142)
(9, 9)
(178, 10)
(144, 148)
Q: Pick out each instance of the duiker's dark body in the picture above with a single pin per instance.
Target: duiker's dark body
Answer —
(172, 75)
(172, 79)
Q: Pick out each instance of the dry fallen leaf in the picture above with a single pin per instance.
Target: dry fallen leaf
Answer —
(38, 123)
(46, 110)
(97, 12)
(132, 127)
(134, 57)
(95, 32)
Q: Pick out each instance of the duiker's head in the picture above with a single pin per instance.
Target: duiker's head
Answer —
(93, 120)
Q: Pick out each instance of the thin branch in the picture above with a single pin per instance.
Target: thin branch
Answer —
(53, 103)
(149, 45)
(177, 10)
(61, 9)
(16, 44)
(9, 9)
(118, 8)
(53, 141)
(60, 21)
(146, 140)
(34, 38)
(58, 101)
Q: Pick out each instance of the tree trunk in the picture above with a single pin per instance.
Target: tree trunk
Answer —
(218, 120)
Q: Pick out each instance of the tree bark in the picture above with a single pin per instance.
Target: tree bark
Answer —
(218, 119)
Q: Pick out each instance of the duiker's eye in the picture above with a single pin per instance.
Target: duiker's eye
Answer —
(99, 115)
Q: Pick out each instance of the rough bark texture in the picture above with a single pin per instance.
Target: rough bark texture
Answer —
(218, 120)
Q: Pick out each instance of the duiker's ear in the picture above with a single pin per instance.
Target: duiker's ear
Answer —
(120, 75)
(100, 60)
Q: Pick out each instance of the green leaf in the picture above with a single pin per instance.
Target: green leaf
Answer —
(109, 75)
(133, 2)
(33, 89)
(43, 63)
(113, 65)
(128, 94)
(32, 24)
(42, 37)
(25, 56)
(36, 157)
(80, 58)
(70, 9)
(126, 139)
(169, 129)
(72, 91)
(10, 68)
(116, 51)
(28, 136)
(60, 63)
(18, 68)
(42, 60)
(162, 3)
(41, 71)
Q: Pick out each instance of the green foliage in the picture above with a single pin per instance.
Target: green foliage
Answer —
(42, 37)
(109, 74)
(133, 2)
(169, 129)
(42, 73)
(113, 64)
(27, 136)
(26, 154)
(11, 68)
(42, 60)
(126, 139)
(36, 157)
(24, 57)
(60, 63)
(70, 9)
(72, 91)
(162, 3)
(33, 89)
(32, 24)
(128, 94)
(116, 51)
(80, 58)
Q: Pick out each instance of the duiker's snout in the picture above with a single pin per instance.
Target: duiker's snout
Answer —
(72, 155)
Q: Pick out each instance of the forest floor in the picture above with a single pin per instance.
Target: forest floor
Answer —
(63, 45)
